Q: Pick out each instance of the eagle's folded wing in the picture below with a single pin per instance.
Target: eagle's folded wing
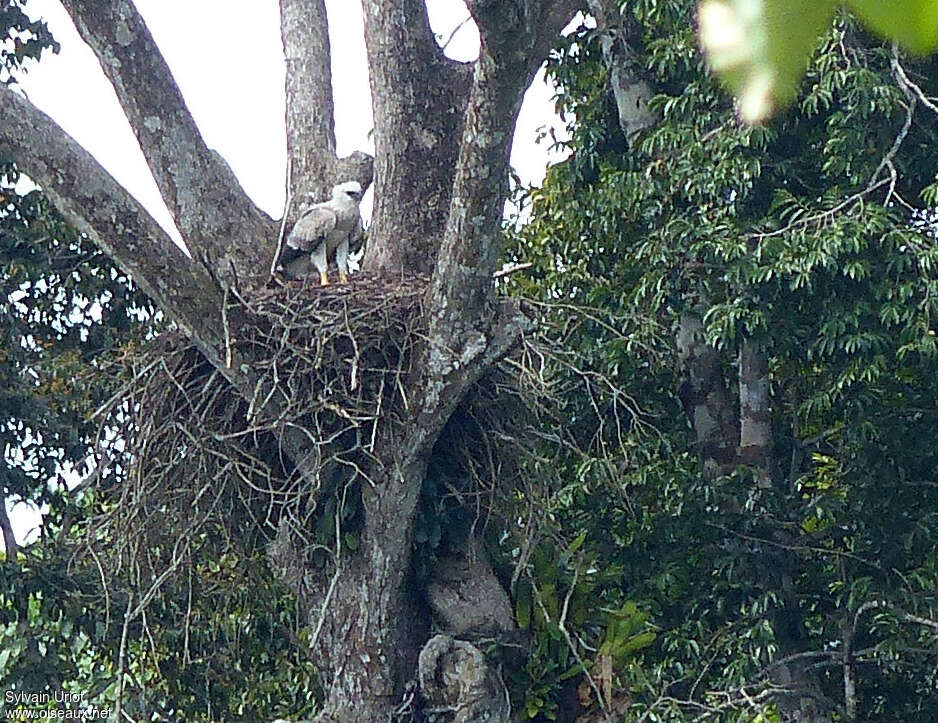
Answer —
(310, 231)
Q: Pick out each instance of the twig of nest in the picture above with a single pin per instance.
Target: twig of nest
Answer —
(207, 470)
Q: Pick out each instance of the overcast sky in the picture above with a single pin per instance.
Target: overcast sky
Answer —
(227, 58)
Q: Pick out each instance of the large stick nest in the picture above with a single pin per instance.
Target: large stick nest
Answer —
(204, 474)
(206, 464)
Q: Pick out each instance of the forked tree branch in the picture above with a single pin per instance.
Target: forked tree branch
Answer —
(96, 205)
(218, 222)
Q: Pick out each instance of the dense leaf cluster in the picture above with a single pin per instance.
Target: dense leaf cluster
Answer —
(21, 39)
(809, 237)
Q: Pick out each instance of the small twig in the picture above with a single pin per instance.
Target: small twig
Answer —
(456, 30)
(224, 322)
(288, 202)
(907, 84)
(122, 656)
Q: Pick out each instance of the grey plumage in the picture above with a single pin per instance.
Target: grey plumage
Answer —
(332, 228)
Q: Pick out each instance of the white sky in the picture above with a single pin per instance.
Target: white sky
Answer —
(227, 59)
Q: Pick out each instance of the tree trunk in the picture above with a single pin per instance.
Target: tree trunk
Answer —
(443, 134)
(370, 622)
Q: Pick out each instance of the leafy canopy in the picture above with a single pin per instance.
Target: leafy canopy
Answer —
(761, 48)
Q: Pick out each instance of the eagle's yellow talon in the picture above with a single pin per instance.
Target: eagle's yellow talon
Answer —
(343, 277)
(324, 278)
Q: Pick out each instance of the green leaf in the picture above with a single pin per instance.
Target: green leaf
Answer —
(573, 672)
(912, 23)
(761, 48)
(523, 604)
(636, 643)
(576, 544)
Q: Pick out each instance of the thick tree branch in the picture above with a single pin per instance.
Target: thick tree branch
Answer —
(310, 111)
(96, 205)
(706, 398)
(10, 547)
(629, 86)
(419, 99)
(304, 29)
(755, 414)
(219, 223)
(516, 37)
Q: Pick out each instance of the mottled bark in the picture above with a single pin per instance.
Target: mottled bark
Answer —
(755, 414)
(515, 38)
(706, 398)
(455, 676)
(512, 38)
(465, 596)
(219, 223)
(10, 547)
(310, 108)
(627, 80)
(370, 620)
(419, 98)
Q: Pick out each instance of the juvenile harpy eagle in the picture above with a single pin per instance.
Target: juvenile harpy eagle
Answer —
(324, 229)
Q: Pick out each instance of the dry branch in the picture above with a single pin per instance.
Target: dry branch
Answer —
(95, 204)
(218, 222)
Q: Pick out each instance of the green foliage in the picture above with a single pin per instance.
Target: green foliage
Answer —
(809, 238)
(198, 654)
(63, 306)
(761, 47)
(912, 23)
(21, 39)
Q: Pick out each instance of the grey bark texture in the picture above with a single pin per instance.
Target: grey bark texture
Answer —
(220, 224)
(626, 79)
(310, 111)
(707, 399)
(10, 548)
(456, 680)
(755, 419)
(443, 135)
(419, 101)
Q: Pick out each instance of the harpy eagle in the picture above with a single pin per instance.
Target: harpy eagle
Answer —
(324, 229)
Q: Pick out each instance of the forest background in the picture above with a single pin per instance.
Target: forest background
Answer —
(721, 502)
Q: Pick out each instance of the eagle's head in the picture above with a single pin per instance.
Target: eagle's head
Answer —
(348, 191)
